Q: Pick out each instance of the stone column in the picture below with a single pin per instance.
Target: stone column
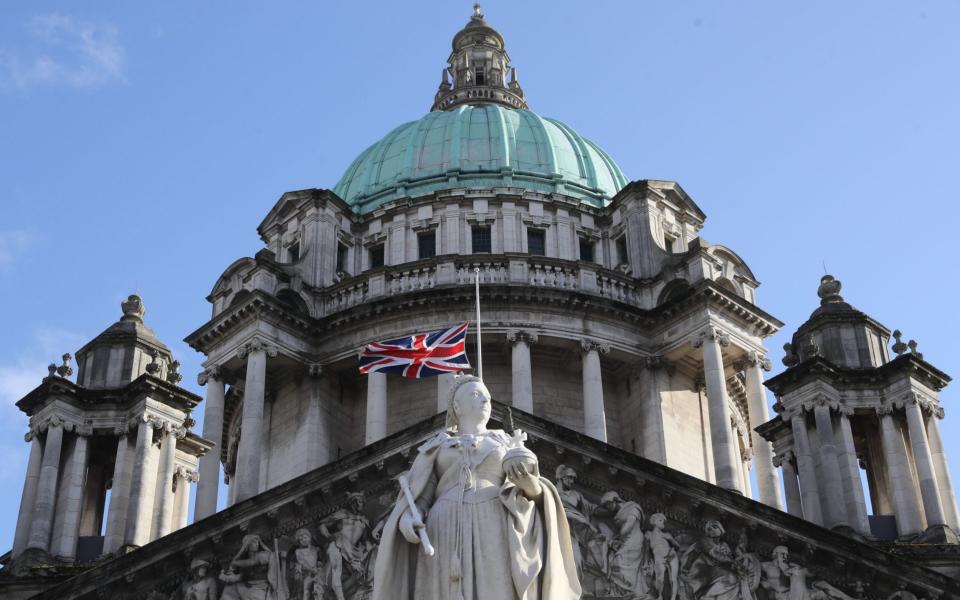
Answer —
(594, 416)
(791, 487)
(29, 495)
(71, 504)
(181, 484)
(923, 459)
(745, 473)
(850, 476)
(649, 384)
(313, 435)
(209, 485)
(120, 493)
(832, 489)
(725, 453)
(767, 484)
(165, 483)
(807, 471)
(46, 498)
(251, 423)
(522, 377)
(376, 428)
(947, 497)
(898, 474)
(142, 485)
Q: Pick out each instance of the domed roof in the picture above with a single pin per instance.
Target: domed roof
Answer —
(480, 146)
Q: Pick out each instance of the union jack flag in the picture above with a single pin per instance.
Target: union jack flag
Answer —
(419, 355)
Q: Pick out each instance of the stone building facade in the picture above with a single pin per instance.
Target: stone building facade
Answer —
(629, 347)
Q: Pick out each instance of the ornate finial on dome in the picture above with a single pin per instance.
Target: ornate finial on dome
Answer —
(479, 67)
(133, 309)
(829, 290)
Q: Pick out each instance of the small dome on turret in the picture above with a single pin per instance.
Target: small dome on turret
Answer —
(839, 333)
(124, 351)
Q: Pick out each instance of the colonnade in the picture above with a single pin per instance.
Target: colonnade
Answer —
(63, 493)
(822, 478)
(730, 469)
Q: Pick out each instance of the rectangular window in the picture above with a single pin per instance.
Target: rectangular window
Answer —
(668, 244)
(623, 257)
(481, 240)
(376, 256)
(293, 252)
(479, 76)
(537, 242)
(341, 258)
(427, 244)
(586, 249)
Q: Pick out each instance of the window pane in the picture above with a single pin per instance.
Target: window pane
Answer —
(427, 243)
(341, 258)
(586, 250)
(376, 256)
(481, 240)
(293, 252)
(622, 257)
(537, 242)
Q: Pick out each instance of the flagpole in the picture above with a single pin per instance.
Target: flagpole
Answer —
(479, 350)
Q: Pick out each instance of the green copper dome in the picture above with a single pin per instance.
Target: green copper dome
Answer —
(480, 146)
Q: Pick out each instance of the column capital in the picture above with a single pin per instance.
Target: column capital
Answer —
(121, 430)
(315, 370)
(588, 345)
(209, 374)
(184, 474)
(924, 403)
(650, 363)
(256, 345)
(785, 457)
(714, 334)
(754, 359)
(821, 401)
(522, 335)
(884, 410)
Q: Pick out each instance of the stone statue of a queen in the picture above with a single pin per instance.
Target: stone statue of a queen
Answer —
(498, 527)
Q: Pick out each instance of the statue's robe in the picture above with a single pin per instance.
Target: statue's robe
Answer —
(509, 547)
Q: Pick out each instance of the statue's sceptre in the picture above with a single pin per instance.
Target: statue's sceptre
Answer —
(415, 513)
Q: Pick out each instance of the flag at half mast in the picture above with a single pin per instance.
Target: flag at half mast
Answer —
(419, 355)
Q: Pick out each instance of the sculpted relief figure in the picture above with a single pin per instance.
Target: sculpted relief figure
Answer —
(710, 570)
(303, 568)
(498, 528)
(350, 549)
(664, 550)
(626, 545)
(200, 585)
(589, 545)
(783, 580)
(254, 573)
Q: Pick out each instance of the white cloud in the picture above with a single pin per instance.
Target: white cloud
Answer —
(18, 376)
(68, 52)
(12, 244)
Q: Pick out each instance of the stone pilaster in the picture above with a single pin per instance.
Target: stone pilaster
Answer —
(898, 475)
(648, 379)
(832, 489)
(41, 526)
(182, 477)
(725, 452)
(767, 484)
(806, 470)
(594, 414)
(209, 485)
(142, 484)
(923, 460)
(251, 436)
(521, 374)
(29, 495)
(313, 435)
(70, 502)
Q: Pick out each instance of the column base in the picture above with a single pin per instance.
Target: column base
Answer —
(27, 561)
(938, 534)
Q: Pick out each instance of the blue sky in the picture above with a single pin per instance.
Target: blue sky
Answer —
(142, 143)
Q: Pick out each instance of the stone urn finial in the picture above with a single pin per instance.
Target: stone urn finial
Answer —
(65, 370)
(133, 309)
(829, 290)
(154, 366)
